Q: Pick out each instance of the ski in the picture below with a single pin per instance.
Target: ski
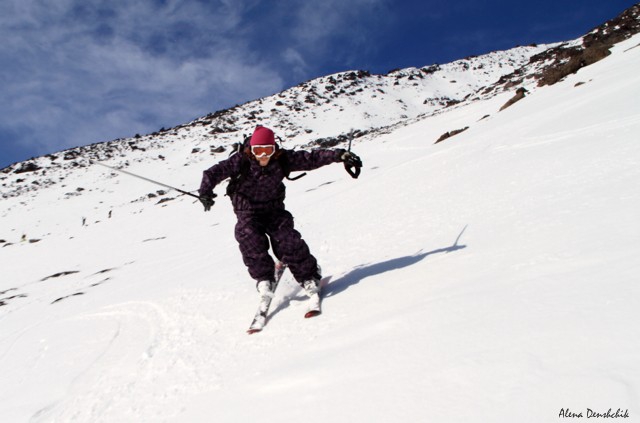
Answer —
(260, 319)
(315, 301)
(314, 307)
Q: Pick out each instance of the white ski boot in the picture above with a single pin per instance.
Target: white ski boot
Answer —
(265, 289)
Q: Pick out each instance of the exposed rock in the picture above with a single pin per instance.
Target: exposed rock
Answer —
(450, 134)
(27, 167)
(520, 93)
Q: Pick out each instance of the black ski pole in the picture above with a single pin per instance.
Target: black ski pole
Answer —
(146, 179)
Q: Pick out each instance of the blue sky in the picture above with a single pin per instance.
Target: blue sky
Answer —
(75, 72)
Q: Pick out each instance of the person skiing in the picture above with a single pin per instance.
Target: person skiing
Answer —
(257, 194)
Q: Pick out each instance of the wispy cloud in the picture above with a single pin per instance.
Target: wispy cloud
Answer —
(80, 71)
(294, 59)
(320, 26)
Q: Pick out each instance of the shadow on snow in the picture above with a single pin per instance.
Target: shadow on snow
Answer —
(362, 272)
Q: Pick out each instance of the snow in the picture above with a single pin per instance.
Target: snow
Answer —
(489, 277)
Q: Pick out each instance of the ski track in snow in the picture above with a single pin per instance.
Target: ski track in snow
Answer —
(153, 355)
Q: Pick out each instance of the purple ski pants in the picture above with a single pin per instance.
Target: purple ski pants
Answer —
(253, 232)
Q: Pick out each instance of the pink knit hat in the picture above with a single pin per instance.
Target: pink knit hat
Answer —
(262, 136)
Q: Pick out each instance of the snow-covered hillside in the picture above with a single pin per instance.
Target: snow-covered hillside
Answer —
(326, 107)
(490, 277)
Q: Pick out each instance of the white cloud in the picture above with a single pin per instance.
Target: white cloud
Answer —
(319, 22)
(331, 33)
(81, 71)
(296, 62)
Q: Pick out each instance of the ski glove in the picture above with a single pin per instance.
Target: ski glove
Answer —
(207, 201)
(350, 159)
(352, 163)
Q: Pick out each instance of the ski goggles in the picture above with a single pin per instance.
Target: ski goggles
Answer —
(263, 150)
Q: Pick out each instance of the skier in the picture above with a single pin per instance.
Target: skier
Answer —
(257, 195)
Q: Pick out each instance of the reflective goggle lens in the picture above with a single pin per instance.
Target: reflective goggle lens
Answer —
(263, 150)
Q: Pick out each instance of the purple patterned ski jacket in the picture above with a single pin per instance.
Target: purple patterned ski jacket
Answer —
(262, 189)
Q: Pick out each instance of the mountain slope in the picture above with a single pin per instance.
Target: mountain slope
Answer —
(490, 277)
(325, 107)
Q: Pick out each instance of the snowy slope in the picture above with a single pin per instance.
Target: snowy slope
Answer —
(491, 277)
(327, 107)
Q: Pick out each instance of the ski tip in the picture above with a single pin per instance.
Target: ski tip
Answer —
(252, 331)
(312, 313)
